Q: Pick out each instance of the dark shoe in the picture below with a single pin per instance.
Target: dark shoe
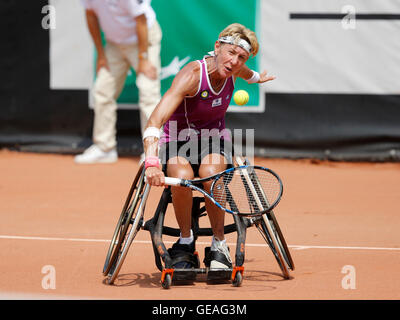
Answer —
(183, 256)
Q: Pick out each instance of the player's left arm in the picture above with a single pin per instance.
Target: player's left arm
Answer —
(252, 76)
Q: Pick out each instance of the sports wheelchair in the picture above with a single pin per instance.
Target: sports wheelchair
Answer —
(132, 220)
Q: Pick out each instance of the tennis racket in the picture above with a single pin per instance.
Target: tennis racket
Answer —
(244, 190)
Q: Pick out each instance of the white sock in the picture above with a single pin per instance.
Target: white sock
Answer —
(187, 240)
(215, 243)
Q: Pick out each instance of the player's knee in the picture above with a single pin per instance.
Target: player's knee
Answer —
(207, 170)
(180, 172)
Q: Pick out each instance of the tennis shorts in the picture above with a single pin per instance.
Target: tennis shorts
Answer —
(195, 150)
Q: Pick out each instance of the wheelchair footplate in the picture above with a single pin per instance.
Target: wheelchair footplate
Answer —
(186, 274)
(219, 275)
(181, 276)
(234, 274)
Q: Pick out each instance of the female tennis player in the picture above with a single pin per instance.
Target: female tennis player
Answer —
(193, 141)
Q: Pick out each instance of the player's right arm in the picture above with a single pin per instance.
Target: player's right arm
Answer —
(185, 84)
(94, 30)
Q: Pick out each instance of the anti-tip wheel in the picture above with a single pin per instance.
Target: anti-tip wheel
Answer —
(237, 282)
(166, 284)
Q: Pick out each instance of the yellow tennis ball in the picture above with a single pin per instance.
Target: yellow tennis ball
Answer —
(241, 97)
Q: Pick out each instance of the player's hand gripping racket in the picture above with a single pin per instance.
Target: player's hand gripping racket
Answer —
(243, 190)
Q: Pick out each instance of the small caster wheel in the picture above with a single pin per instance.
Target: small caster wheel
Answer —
(166, 284)
(237, 282)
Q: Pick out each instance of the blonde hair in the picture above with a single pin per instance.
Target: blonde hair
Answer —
(239, 31)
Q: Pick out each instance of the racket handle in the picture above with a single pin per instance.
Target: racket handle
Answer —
(173, 181)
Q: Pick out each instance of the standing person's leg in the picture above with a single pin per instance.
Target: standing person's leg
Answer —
(106, 91)
(149, 89)
(107, 87)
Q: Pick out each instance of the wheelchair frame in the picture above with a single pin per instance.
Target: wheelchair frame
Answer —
(132, 220)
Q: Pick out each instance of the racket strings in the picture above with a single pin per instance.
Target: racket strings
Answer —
(247, 191)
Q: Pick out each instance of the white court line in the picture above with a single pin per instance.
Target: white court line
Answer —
(295, 247)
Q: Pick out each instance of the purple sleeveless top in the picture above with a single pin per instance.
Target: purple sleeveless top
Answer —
(201, 115)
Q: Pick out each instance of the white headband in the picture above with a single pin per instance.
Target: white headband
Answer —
(241, 42)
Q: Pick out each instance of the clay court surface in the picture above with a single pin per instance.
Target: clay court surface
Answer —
(336, 217)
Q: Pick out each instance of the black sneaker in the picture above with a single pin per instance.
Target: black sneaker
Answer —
(183, 256)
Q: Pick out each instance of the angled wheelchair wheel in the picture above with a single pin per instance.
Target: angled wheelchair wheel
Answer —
(268, 227)
(281, 240)
(128, 225)
(271, 232)
(134, 224)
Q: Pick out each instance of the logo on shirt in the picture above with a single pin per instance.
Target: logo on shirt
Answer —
(217, 102)
(204, 94)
